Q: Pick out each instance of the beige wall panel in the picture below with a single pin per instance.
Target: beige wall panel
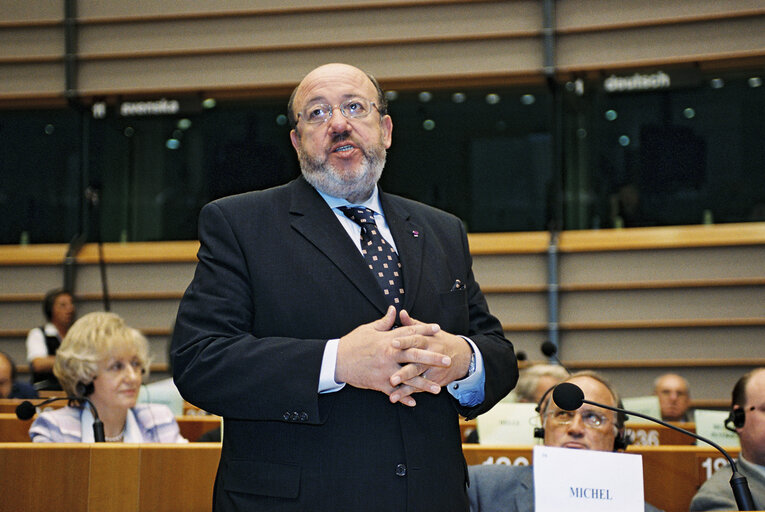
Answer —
(156, 314)
(624, 345)
(631, 46)
(528, 342)
(32, 42)
(279, 68)
(117, 8)
(588, 13)
(662, 265)
(515, 270)
(706, 383)
(30, 279)
(24, 79)
(24, 10)
(311, 28)
(518, 308)
(691, 303)
(129, 278)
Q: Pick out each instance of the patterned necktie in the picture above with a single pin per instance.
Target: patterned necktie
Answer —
(380, 256)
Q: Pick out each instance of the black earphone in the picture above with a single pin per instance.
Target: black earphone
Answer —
(737, 417)
(83, 389)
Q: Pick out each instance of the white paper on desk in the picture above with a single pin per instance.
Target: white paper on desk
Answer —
(648, 405)
(508, 423)
(587, 481)
(711, 424)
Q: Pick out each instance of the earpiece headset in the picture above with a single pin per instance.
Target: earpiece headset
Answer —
(83, 389)
(621, 442)
(737, 417)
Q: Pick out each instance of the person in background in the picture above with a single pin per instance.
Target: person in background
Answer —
(43, 341)
(9, 386)
(747, 419)
(103, 359)
(536, 379)
(674, 397)
(532, 384)
(340, 387)
(504, 488)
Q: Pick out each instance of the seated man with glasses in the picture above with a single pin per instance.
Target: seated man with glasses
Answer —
(499, 487)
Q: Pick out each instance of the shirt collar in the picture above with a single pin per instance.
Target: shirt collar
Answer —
(132, 430)
(373, 202)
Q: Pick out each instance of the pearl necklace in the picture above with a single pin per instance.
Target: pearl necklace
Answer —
(116, 438)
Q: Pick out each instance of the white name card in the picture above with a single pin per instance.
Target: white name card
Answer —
(711, 424)
(508, 423)
(587, 481)
(648, 405)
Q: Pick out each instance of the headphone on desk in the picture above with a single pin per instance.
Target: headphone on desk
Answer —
(621, 441)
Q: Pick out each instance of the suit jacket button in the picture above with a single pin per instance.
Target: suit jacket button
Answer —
(295, 416)
(401, 470)
(286, 416)
(303, 416)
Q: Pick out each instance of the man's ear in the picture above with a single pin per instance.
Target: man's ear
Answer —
(387, 128)
(295, 138)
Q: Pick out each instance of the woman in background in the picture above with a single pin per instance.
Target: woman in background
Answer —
(103, 359)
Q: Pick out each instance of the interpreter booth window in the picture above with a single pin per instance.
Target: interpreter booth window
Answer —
(693, 153)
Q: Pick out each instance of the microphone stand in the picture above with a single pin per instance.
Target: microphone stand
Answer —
(25, 410)
(738, 482)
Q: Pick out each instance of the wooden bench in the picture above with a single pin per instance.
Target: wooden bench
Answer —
(81, 477)
(159, 477)
(14, 430)
(644, 434)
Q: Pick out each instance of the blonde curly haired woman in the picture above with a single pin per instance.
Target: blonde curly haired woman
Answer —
(105, 360)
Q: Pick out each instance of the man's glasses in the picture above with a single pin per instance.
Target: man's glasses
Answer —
(591, 419)
(354, 108)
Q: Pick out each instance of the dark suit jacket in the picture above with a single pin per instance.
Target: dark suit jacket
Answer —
(717, 494)
(277, 277)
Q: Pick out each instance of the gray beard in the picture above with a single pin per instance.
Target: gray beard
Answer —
(331, 181)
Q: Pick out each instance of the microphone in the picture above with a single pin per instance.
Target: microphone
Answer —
(25, 410)
(549, 349)
(570, 397)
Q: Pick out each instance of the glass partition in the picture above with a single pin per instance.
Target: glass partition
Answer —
(502, 159)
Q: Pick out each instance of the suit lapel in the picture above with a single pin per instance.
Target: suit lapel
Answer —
(410, 240)
(313, 219)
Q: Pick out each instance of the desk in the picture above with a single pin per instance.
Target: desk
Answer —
(671, 474)
(653, 434)
(644, 434)
(115, 477)
(14, 430)
(165, 477)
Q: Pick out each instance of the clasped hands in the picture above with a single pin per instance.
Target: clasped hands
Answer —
(416, 357)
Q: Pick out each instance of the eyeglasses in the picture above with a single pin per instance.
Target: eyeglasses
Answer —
(590, 418)
(119, 366)
(354, 108)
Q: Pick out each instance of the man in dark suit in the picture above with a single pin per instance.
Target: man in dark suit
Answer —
(330, 381)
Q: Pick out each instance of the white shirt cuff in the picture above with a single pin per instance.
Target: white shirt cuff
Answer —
(327, 382)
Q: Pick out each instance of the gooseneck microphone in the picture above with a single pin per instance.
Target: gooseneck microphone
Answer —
(570, 397)
(25, 410)
(549, 349)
